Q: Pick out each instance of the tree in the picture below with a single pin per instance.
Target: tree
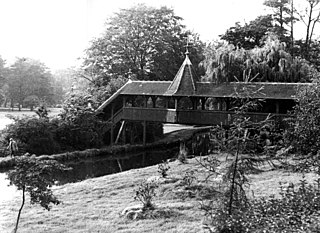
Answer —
(64, 80)
(141, 42)
(281, 15)
(251, 34)
(3, 81)
(284, 18)
(36, 178)
(304, 133)
(271, 62)
(310, 16)
(29, 77)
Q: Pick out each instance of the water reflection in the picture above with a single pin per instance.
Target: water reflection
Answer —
(99, 166)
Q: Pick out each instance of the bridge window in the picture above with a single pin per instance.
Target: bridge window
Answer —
(171, 103)
(212, 104)
(139, 102)
(185, 103)
(161, 102)
(149, 103)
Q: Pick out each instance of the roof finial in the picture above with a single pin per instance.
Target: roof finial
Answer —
(187, 46)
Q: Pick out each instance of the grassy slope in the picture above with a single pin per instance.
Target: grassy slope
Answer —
(94, 205)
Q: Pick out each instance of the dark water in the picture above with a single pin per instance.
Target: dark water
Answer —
(100, 166)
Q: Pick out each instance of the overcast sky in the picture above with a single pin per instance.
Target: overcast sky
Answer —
(56, 32)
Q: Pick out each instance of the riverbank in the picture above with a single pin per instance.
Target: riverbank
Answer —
(95, 205)
(169, 140)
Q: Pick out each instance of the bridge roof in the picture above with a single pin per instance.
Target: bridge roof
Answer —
(207, 89)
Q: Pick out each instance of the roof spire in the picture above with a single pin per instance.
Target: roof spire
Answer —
(187, 46)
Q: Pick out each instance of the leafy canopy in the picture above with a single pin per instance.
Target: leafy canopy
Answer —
(141, 42)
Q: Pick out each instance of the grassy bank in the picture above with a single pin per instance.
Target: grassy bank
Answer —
(94, 205)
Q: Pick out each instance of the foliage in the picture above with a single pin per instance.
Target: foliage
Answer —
(163, 169)
(79, 126)
(31, 101)
(35, 177)
(29, 77)
(269, 63)
(146, 193)
(238, 140)
(283, 18)
(296, 210)
(304, 130)
(142, 43)
(33, 135)
(188, 179)
(249, 35)
(64, 80)
(310, 16)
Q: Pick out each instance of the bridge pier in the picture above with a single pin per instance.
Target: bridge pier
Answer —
(144, 140)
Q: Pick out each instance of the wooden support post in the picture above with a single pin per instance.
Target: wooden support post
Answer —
(203, 103)
(227, 104)
(112, 125)
(145, 102)
(144, 140)
(124, 99)
(124, 141)
(277, 107)
(194, 103)
(119, 133)
(111, 134)
(176, 103)
(154, 100)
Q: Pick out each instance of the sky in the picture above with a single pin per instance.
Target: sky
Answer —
(57, 32)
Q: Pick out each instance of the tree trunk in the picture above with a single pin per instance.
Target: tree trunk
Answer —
(234, 179)
(22, 204)
(292, 39)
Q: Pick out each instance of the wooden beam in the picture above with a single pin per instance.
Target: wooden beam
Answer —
(119, 133)
(144, 140)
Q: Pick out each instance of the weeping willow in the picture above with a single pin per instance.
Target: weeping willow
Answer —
(269, 63)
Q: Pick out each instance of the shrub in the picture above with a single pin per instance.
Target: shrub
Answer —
(304, 133)
(188, 179)
(145, 194)
(35, 135)
(163, 169)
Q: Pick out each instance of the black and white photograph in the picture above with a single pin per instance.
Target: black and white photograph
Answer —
(160, 116)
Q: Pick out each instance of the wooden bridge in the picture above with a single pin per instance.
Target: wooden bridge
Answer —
(186, 101)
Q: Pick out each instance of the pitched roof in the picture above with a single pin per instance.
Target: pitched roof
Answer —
(184, 82)
(208, 89)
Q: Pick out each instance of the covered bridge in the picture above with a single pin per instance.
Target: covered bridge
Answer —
(188, 101)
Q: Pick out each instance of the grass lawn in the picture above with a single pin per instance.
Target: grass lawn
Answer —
(94, 205)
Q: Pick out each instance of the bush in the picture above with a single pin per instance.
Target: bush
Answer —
(297, 210)
(34, 135)
(304, 133)
(145, 194)
(163, 169)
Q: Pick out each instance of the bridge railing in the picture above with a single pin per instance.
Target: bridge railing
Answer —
(196, 117)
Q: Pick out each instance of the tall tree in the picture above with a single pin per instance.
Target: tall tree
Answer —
(29, 77)
(142, 42)
(284, 19)
(251, 34)
(3, 80)
(271, 63)
(310, 16)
